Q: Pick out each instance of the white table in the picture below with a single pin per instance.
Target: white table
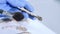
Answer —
(33, 26)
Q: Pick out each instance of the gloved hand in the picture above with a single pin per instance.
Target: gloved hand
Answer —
(20, 3)
(4, 17)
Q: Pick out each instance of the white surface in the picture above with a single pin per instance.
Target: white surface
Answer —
(33, 26)
(50, 11)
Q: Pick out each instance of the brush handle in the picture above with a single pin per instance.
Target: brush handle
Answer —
(39, 18)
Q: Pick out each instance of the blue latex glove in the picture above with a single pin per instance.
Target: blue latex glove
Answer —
(4, 6)
(17, 3)
(2, 16)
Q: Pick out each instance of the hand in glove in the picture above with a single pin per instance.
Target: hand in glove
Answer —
(20, 3)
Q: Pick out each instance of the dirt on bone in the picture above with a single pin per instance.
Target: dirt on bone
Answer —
(18, 16)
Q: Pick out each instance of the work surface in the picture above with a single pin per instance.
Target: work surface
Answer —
(32, 26)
